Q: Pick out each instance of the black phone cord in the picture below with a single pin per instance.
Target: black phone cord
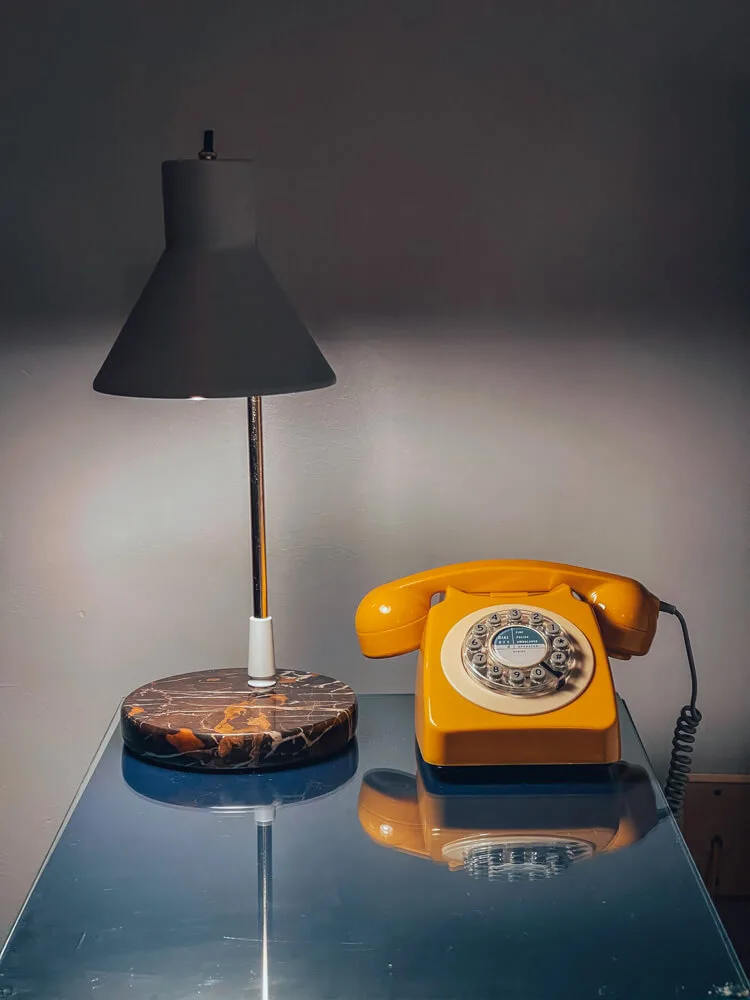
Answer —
(683, 741)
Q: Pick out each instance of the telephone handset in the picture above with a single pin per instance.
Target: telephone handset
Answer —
(391, 619)
(513, 665)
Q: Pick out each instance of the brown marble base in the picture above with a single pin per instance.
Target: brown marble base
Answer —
(212, 720)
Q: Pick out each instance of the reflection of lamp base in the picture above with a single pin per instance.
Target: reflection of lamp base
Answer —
(212, 720)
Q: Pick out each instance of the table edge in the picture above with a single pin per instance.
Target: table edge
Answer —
(104, 743)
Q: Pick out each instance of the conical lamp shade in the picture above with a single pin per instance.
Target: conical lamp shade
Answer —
(212, 320)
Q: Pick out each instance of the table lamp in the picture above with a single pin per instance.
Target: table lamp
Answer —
(213, 322)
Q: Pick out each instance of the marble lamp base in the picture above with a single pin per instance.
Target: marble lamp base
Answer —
(212, 720)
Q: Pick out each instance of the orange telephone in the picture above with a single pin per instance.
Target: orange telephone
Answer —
(513, 665)
(506, 832)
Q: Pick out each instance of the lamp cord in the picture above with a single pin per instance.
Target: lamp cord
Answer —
(683, 740)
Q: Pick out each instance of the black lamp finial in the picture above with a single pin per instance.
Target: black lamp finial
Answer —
(208, 152)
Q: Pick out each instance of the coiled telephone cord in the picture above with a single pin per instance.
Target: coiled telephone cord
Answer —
(683, 741)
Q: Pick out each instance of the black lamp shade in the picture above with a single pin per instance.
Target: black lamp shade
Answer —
(212, 320)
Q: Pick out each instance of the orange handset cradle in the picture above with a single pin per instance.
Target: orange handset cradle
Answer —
(513, 665)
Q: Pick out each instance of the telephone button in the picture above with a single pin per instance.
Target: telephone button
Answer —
(552, 628)
(516, 676)
(479, 659)
(514, 615)
(538, 674)
(480, 629)
(558, 658)
(535, 618)
(560, 642)
(494, 618)
(474, 644)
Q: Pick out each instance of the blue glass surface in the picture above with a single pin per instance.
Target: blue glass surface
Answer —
(151, 891)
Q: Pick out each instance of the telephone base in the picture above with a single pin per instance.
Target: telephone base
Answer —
(462, 722)
(526, 748)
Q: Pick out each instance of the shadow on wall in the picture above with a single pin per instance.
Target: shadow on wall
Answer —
(614, 202)
(413, 161)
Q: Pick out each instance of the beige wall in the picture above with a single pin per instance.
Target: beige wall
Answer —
(520, 240)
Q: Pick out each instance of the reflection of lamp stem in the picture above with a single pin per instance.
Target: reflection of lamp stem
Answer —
(265, 900)
(261, 661)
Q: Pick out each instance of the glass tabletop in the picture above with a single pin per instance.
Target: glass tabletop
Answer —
(369, 876)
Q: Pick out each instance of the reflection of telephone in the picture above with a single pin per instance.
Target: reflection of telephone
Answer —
(513, 664)
(507, 832)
